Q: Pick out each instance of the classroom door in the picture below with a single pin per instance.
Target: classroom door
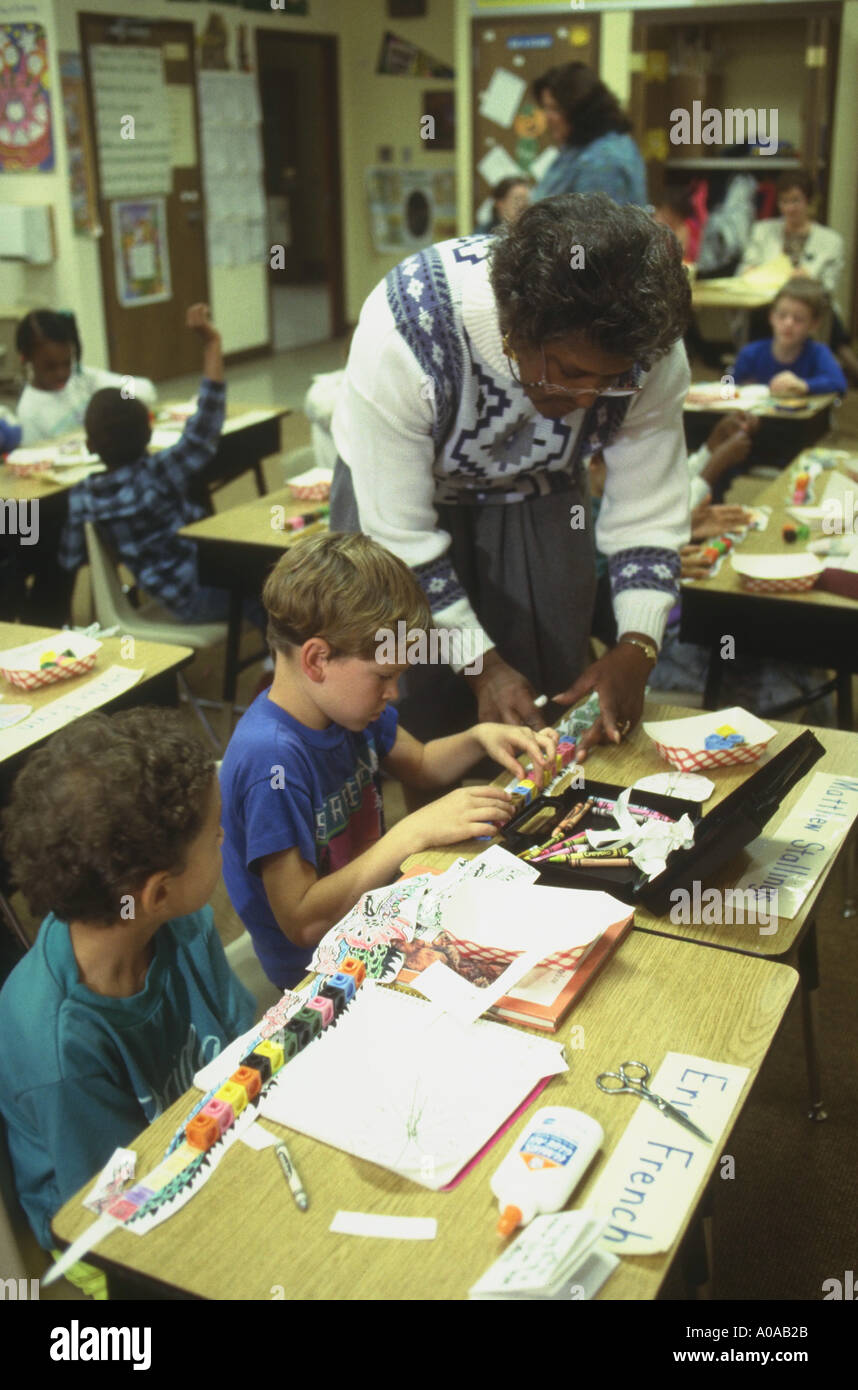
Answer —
(153, 250)
(519, 49)
(300, 136)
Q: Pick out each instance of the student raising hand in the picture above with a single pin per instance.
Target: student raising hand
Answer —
(198, 319)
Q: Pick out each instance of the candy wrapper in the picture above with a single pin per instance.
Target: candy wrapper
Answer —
(651, 840)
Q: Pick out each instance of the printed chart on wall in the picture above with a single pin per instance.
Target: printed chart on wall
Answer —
(410, 208)
(26, 137)
(131, 120)
(142, 253)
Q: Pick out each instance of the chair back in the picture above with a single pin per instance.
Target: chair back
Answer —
(112, 607)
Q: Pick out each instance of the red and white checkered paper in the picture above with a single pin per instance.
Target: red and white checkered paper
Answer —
(48, 675)
(800, 585)
(688, 761)
(484, 955)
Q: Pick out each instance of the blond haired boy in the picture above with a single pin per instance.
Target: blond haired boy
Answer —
(302, 810)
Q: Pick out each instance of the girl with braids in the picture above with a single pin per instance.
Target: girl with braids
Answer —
(59, 387)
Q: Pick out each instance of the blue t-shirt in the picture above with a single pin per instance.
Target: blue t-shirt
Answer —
(285, 786)
(815, 364)
(82, 1073)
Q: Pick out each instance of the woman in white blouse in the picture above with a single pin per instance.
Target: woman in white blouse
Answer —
(812, 249)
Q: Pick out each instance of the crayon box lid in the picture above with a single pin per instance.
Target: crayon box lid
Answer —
(718, 835)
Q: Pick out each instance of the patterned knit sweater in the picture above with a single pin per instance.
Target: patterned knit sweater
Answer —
(429, 413)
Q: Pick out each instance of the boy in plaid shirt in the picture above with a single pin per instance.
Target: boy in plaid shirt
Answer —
(141, 501)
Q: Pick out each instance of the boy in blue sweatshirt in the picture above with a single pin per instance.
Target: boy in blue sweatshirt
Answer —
(301, 779)
(113, 831)
(791, 362)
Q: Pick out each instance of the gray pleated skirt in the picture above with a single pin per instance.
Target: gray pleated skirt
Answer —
(531, 579)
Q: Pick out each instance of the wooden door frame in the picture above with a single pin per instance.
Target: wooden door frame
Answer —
(333, 166)
(185, 32)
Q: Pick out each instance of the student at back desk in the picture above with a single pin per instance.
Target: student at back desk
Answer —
(141, 502)
(59, 387)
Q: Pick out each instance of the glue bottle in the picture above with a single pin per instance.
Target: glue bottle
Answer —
(542, 1171)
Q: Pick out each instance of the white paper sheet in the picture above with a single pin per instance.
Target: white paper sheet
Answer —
(258, 1137)
(366, 1223)
(529, 917)
(502, 98)
(129, 81)
(415, 1093)
(654, 1173)
(497, 165)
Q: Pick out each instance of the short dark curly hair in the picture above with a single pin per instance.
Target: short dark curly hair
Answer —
(630, 297)
(107, 802)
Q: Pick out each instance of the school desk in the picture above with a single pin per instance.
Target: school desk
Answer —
(794, 941)
(813, 629)
(249, 435)
(242, 1237)
(235, 550)
(159, 662)
(722, 294)
(782, 434)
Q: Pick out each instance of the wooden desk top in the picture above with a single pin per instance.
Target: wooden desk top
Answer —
(636, 757)
(35, 485)
(153, 657)
(721, 294)
(242, 1237)
(766, 410)
(777, 495)
(255, 522)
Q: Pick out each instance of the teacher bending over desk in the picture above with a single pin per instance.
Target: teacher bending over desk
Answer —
(482, 374)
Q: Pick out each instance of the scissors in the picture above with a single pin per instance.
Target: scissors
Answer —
(635, 1084)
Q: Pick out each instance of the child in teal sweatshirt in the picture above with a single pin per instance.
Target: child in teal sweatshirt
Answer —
(113, 831)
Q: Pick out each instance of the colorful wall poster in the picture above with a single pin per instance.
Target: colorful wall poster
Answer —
(141, 250)
(84, 204)
(26, 137)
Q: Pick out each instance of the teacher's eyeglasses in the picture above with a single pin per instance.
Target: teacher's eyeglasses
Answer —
(550, 387)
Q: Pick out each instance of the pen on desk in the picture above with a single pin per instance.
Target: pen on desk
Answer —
(296, 1187)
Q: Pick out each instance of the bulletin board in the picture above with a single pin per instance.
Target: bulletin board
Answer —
(509, 54)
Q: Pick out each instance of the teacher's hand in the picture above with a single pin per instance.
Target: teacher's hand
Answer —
(619, 677)
(503, 694)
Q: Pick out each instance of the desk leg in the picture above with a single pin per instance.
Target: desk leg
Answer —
(233, 641)
(697, 1252)
(844, 700)
(850, 862)
(808, 969)
(713, 678)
